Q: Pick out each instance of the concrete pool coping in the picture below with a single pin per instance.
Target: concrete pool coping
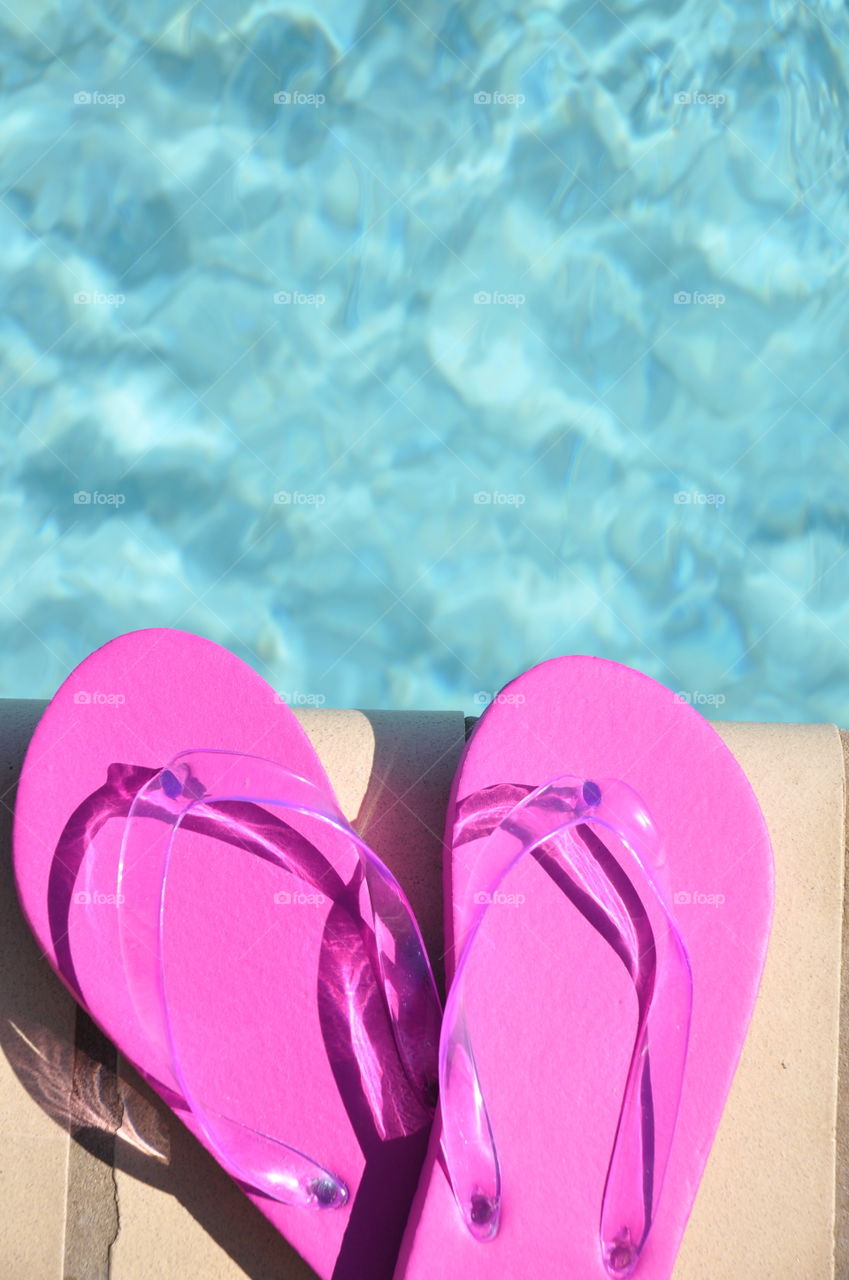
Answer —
(99, 1180)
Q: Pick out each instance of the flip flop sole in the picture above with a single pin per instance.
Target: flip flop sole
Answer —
(250, 961)
(552, 1010)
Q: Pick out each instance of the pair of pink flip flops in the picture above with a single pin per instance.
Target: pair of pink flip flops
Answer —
(183, 863)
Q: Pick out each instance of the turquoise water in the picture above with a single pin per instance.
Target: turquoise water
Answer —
(506, 330)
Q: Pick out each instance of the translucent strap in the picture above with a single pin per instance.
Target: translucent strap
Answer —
(598, 843)
(231, 797)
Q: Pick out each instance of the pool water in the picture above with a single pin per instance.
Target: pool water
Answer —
(400, 346)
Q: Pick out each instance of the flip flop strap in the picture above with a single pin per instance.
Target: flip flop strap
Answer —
(226, 795)
(599, 845)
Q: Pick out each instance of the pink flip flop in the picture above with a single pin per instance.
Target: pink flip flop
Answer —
(601, 987)
(182, 861)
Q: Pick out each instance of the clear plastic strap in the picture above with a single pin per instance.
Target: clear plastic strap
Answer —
(600, 846)
(230, 796)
